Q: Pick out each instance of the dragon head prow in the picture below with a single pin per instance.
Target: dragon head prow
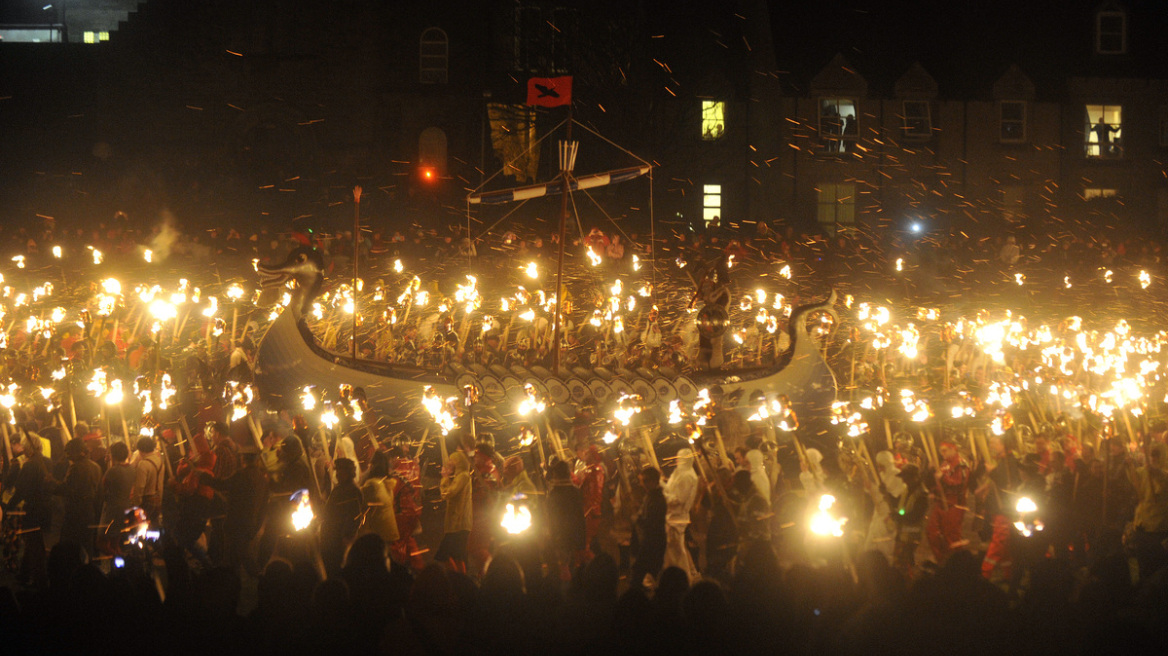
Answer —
(305, 266)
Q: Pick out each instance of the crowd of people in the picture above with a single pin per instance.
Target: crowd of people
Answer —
(700, 554)
(740, 539)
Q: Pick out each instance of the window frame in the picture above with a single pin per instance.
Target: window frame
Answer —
(433, 73)
(836, 143)
(1116, 142)
(1003, 121)
(1092, 194)
(835, 203)
(915, 134)
(709, 106)
(1099, 34)
(709, 211)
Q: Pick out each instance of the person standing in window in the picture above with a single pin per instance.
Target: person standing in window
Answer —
(849, 130)
(1103, 132)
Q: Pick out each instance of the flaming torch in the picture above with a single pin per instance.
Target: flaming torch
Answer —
(823, 523)
(517, 517)
(302, 515)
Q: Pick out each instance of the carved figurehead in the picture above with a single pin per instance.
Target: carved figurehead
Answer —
(305, 266)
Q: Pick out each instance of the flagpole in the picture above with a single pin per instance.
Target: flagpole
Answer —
(564, 170)
(356, 258)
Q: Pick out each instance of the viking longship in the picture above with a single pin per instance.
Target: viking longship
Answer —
(289, 358)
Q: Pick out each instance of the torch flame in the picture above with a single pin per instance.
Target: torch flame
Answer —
(302, 516)
(516, 519)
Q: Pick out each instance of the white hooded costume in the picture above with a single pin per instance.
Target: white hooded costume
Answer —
(681, 490)
(758, 474)
(880, 530)
(344, 448)
(813, 478)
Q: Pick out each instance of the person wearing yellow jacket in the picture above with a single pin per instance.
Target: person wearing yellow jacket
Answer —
(455, 489)
(378, 492)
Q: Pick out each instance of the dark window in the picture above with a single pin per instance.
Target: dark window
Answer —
(918, 123)
(434, 57)
(1012, 119)
(1111, 33)
(540, 40)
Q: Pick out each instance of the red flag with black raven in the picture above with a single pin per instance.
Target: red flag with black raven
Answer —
(549, 91)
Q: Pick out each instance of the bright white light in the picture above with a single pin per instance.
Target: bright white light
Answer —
(1026, 505)
(824, 524)
(302, 516)
(516, 519)
(916, 227)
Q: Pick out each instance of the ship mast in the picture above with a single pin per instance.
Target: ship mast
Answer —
(567, 152)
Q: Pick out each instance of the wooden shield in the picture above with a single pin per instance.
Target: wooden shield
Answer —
(601, 391)
(686, 390)
(558, 391)
(540, 388)
(578, 390)
(666, 392)
(646, 390)
(493, 389)
(621, 386)
(513, 388)
(468, 378)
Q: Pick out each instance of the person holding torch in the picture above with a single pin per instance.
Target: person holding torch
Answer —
(908, 514)
(948, 507)
(455, 488)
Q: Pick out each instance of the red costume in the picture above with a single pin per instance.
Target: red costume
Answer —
(1002, 480)
(948, 511)
(408, 509)
(590, 480)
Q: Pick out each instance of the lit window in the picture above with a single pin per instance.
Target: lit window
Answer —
(837, 124)
(1110, 33)
(837, 206)
(713, 119)
(103, 36)
(918, 123)
(1096, 194)
(434, 56)
(91, 37)
(1103, 132)
(711, 202)
(1012, 119)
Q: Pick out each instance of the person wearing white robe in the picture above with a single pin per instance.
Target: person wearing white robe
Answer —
(680, 491)
(758, 474)
(880, 530)
(812, 476)
(344, 448)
